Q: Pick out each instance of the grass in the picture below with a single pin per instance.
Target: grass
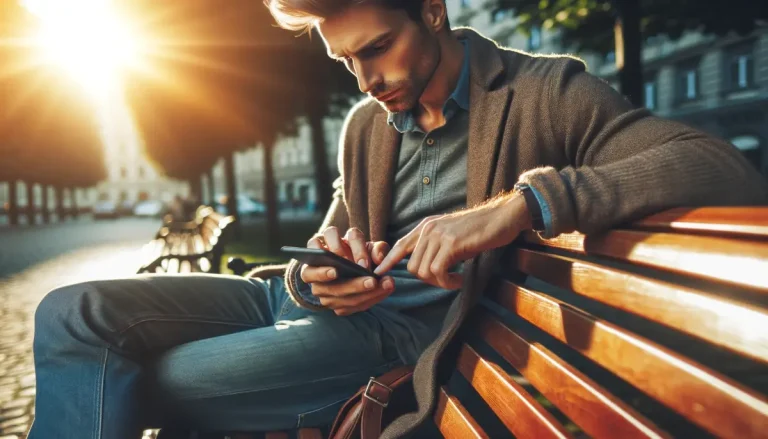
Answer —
(252, 245)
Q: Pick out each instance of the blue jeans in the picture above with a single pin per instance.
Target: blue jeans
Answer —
(205, 352)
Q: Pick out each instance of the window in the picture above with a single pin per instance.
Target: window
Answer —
(650, 93)
(498, 15)
(142, 172)
(688, 82)
(740, 68)
(123, 172)
(534, 39)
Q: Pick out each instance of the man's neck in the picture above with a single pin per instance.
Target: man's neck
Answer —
(429, 110)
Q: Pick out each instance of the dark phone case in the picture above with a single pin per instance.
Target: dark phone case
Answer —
(323, 258)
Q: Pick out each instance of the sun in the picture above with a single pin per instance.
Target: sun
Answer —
(87, 39)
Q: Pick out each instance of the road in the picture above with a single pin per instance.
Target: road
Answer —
(34, 260)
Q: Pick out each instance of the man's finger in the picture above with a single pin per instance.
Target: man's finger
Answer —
(347, 305)
(439, 267)
(356, 241)
(316, 241)
(335, 244)
(424, 269)
(310, 274)
(344, 287)
(401, 249)
(379, 250)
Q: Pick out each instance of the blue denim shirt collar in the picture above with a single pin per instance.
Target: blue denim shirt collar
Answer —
(458, 100)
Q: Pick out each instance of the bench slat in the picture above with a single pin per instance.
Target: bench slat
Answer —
(453, 420)
(596, 411)
(515, 407)
(734, 261)
(729, 324)
(735, 221)
(705, 397)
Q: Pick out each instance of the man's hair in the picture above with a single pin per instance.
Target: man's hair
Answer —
(302, 15)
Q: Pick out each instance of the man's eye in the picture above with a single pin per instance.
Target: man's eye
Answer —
(381, 47)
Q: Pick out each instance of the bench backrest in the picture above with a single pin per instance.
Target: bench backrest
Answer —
(658, 329)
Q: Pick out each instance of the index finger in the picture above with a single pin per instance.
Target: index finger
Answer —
(400, 250)
(316, 242)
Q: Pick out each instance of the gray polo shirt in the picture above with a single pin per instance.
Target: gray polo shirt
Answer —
(431, 179)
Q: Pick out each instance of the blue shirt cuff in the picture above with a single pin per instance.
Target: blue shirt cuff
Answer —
(546, 213)
(305, 290)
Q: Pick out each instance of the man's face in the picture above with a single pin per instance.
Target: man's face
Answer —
(392, 56)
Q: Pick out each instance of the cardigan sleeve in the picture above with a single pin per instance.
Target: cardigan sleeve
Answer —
(626, 163)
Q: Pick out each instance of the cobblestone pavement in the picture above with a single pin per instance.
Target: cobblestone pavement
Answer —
(32, 262)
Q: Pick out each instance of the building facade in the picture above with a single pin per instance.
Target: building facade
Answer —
(716, 84)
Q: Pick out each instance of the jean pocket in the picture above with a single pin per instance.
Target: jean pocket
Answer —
(325, 415)
(321, 417)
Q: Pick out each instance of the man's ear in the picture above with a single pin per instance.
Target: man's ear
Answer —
(435, 15)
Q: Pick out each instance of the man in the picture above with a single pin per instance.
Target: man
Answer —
(462, 146)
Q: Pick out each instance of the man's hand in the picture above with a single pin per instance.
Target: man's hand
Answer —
(348, 296)
(439, 242)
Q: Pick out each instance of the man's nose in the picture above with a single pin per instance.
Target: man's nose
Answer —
(366, 80)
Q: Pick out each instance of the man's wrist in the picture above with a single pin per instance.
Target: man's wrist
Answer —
(516, 216)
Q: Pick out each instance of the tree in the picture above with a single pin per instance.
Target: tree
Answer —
(622, 25)
(48, 133)
(323, 88)
(235, 81)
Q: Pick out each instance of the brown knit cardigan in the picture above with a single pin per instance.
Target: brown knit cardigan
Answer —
(544, 121)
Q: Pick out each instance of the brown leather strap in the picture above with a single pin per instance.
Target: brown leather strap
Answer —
(376, 397)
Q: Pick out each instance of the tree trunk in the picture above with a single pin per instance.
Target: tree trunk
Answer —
(31, 210)
(229, 172)
(196, 188)
(629, 50)
(211, 188)
(270, 197)
(46, 212)
(59, 195)
(320, 157)
(73, 202)
(13, 202)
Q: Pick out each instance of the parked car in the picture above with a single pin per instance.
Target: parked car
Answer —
(246, 206)
(105, 209)
(150, 208)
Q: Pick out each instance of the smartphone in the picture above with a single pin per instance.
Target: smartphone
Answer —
(317, 257)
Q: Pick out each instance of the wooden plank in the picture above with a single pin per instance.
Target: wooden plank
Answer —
(309, 433)
(739, 262)
(515, 407)
(724, 221)
(453, 420)
(596, 411)
(705, 397)
(732, 325)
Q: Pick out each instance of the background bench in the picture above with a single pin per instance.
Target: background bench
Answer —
(655, 330)
(188, 247)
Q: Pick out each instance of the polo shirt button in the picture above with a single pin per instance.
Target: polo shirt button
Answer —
(430, 141)
(425, 180)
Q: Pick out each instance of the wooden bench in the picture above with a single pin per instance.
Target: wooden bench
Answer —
(196, 246)
(654, 330)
